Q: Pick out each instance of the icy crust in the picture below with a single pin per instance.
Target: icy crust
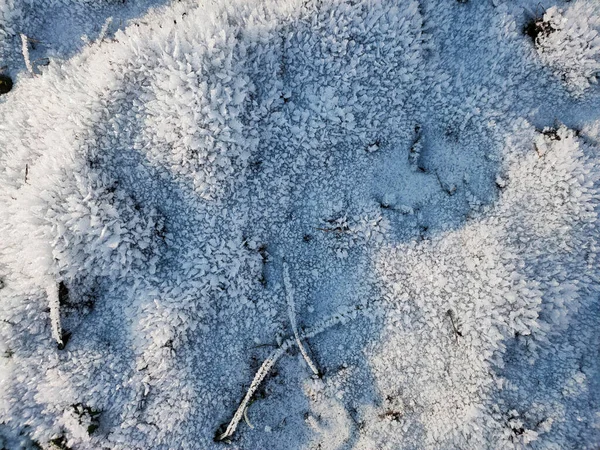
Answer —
(171, 193)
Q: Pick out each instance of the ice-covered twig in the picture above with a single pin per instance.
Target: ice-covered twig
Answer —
(265, 368)
(54, 302)
(289, 293)
(268, 364)
(25, 51)
(104, 29)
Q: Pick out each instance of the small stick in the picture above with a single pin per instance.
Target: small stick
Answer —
(54, 303)
(457, 333)
(25, 51)
(104, 29)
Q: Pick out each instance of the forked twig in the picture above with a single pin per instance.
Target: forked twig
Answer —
(268, 364)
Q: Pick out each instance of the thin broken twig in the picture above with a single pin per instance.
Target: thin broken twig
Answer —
(54, 303)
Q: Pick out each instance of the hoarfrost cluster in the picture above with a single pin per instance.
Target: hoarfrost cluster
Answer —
(570, 44)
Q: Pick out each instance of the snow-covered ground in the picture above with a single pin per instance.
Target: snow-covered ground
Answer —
(409, 187)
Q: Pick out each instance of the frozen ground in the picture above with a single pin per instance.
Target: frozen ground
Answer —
(426, 171)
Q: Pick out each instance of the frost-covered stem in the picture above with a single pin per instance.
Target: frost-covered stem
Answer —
(289, 291)
(25, 51)
(53, 301)
(268, 364)
(265, 368)
(104, 29)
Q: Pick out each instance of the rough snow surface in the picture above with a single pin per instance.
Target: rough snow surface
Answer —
(412, 184)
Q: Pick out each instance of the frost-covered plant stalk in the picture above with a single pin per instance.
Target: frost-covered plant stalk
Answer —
(54, 303)
(25, 51)
(104, 29)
